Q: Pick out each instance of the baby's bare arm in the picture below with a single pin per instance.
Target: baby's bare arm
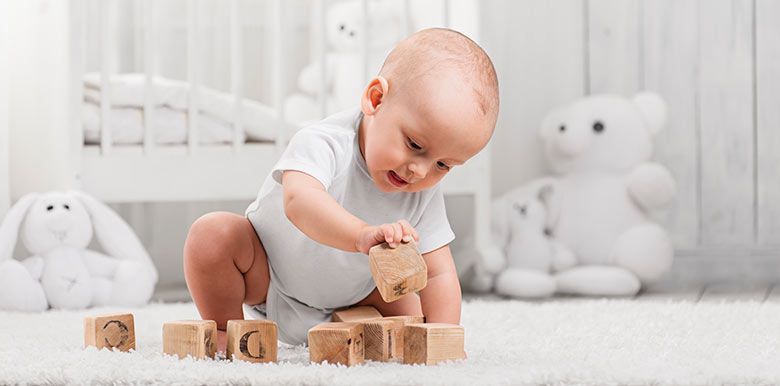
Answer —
(440, 299)
(317, 214)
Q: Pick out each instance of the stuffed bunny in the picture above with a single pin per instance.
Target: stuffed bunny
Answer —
(57, 227)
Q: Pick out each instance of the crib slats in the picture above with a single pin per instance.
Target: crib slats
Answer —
(277, 69)
(322, 51)
(193, 59)
(106, 28)
(236, 73)
(150, 51)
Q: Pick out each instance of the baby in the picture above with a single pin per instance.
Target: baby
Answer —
(354, 180)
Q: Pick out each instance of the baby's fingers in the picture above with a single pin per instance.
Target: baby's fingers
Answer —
(408, 230)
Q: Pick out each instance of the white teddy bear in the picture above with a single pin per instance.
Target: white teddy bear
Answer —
(597, 206)
(62, 273)
(343, 73)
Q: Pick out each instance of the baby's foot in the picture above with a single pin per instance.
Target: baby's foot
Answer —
(221, 341)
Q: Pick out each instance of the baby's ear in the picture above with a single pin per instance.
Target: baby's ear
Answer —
(374, 95)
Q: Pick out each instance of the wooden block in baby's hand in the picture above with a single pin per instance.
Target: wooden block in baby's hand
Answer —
(431, 343)
(252, 340)
(337, 342)
(110, 331)
(196, 338)
(397, 271)
(355, 314)
(398, 330)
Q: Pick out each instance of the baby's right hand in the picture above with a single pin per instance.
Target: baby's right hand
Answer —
(392, 233)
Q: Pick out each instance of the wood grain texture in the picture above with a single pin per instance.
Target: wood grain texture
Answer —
(252, 340)
(768, 120)
(726, 111)
(194, 338)
(355, 314)
(111, 331)
(670, 62)
(431, 343)
(397, 271)
(337, 342)
(379, 337)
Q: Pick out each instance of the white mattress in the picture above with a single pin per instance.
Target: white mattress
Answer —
(217, 109)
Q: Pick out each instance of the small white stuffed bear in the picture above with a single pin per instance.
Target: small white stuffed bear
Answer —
(343, 73)
(56, 228)
(519, 224)
(600, 148)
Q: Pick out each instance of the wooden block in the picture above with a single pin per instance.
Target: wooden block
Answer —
(431, 343)
(110, 331)
(355, 314)
(196, 338)
(398, 329)
(252, 340)
(381, 338)
(397, 271)
(337, 342)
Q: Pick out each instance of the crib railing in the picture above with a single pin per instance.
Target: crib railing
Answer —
(147, 10)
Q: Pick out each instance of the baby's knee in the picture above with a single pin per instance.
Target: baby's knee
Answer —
(211, 238)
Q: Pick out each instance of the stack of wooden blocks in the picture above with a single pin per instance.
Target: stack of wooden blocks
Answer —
(354, 335)
(360, 333)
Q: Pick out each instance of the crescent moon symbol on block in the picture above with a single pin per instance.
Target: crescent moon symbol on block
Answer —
(244, 346)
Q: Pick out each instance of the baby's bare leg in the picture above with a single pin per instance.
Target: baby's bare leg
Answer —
(225, 265)
(406, 305)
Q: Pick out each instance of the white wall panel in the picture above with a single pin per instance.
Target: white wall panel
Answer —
(727, 124)
(768, 120)
(536, 47)
(613, 46)
(669, 30)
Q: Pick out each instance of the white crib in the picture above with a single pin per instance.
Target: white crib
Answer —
(235, 171)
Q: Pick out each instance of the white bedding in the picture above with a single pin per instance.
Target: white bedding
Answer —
(171, 98)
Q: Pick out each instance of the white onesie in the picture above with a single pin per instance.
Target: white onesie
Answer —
(308, 279)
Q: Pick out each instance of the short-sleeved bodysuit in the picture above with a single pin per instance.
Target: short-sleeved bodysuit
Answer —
(308, 279)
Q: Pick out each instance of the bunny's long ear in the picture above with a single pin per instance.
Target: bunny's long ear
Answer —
(9, 229)
(113, 233)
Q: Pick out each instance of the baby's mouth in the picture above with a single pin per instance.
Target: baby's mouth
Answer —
(396, 180)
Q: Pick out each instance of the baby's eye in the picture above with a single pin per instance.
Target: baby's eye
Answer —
(442, 166)
(413, 144)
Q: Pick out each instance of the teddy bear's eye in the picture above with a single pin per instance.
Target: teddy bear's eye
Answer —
(521, 208)
(66, 206)
(342, 27)
(50, 208)
(562, 128)
(598, 127)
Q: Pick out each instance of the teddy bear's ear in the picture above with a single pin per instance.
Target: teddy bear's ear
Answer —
(653, 110)
(9, 229)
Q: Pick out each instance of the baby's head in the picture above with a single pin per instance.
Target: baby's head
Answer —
(433, 106)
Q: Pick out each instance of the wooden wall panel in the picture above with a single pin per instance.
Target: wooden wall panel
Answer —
(727, 124)
(669, 30)
(537, 48)
(768, 120)
(613, 46)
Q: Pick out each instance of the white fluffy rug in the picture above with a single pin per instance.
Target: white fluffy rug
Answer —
(508, 342)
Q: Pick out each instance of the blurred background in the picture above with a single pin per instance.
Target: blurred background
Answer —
(715, 62)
